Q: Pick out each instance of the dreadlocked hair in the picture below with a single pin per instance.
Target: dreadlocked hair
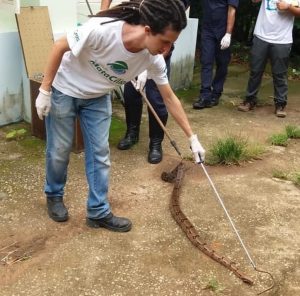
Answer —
(158, 15)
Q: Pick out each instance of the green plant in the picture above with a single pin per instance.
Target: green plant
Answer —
(279, 139)
(233, 150)
(293, 177)
(229, 150)
(16, 134)
(296, 179)
(292, 131)
(213, 285)
(280, 175)
(254, 151)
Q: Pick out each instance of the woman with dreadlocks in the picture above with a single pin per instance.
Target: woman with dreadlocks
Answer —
(106, 52)
(133, 105)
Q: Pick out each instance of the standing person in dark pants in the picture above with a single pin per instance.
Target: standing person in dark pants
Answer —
(134, 106)
(272, 40)
(217, 25)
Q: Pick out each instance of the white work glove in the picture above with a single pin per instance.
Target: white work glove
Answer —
(43, 103)
(197, 149)
(226, 40)
(141, 81)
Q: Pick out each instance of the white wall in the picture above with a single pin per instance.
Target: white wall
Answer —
(182, 61)
(11, 87)
(63, 14)
(14, 84)
(11, 90)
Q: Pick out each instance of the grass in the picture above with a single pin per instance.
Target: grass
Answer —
(280, 175)
(117, 130)
(293, 132)
(213, 285)
(190, 94)
(229, 151)
(233, 150)
(294, 177)
(279, 139)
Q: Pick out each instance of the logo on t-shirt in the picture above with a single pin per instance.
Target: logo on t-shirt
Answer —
(104, 72)
(118, 67)
(271, 5)
(76, 36)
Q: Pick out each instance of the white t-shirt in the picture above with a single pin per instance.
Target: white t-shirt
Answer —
(99, 62)
(272, 25)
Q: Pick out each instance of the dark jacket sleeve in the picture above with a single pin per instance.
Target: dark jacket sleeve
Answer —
(234, 3)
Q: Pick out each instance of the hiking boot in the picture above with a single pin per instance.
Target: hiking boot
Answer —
(279, 111)
(56, 209)
(110, 222)
(246, 106)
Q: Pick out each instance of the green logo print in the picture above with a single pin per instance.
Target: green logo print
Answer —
(118, 67)
(103, 72)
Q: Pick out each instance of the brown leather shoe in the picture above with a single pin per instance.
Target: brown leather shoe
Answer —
(246, 106)
(279, 111)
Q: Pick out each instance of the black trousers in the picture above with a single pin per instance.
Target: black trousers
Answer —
(211, 54)
(133, 98)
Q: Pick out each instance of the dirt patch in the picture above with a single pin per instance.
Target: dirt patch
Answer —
(17, 251)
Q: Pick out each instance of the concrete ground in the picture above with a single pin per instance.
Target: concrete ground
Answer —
(41, 257)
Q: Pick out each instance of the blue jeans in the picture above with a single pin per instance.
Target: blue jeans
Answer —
(95, 118)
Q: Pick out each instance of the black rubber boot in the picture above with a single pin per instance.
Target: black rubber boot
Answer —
(133, 115)
(156, 135)
(56, 209)
(110, 222)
